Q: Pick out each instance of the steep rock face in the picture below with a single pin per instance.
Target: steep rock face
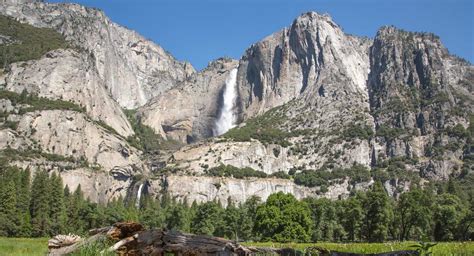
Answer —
(311, 98)
(73, 145)
(203, 189)
(270, 159)
(68, 75)
(69, 133)
(188, 111)
(98, 186)
(311, 56)
(418, 95)
(133, 68)
(316, 76)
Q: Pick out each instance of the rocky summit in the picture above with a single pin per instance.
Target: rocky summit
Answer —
(312, 111)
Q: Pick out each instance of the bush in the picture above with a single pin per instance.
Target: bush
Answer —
(281, 175)
(10, 124)
(232, 171)
(27, 42)
(457, 131)
(14, 154)
(145, 137)
(312, 178)
(38, 103)
(389, 133)
(262, 128)
(363, 132)
(395, 168)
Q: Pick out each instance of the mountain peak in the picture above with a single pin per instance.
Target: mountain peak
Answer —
(313, 18)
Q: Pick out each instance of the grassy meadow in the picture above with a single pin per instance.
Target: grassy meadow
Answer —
(23, 246)
(38, 246)
(441, 249)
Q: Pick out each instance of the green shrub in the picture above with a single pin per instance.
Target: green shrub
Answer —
(262, 128)
(322, 177)
(363, 132)
(145, 137)
(457, 131)
(27, 42)
(232, 171)
(38, 103)
(389, 133)
(14, 154)
(313, 178)
(281, 175)
(395, 168)
(10, 124)
(105, 126)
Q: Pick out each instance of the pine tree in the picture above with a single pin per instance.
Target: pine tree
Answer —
(116, 211)
(23, 204)
(352, 217)
(58, 214)
(378, 214)
(90, 215)
(151, 214)
(248, 218)
(39, 207)
(208, 215)
(178, 218)
(8, 209)
(74, 222)
(231, 227)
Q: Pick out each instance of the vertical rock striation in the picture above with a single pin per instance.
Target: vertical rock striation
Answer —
(133, 68)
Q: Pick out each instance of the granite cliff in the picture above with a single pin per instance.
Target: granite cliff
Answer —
(318, 112)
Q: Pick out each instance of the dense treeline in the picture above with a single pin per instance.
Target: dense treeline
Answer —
(42, 207)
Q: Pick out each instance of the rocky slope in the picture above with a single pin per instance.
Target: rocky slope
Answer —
(67, 75)
(421, 100)
(133, 68)
(319, 112)
(392, 105)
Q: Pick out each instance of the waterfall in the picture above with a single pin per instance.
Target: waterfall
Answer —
(139, 195)
(226, 118)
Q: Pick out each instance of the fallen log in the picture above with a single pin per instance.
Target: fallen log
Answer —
(63, 241)
(132, 239)
(59, 251)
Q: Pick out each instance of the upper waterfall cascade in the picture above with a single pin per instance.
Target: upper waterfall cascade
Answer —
(139, 195)
(227, 118)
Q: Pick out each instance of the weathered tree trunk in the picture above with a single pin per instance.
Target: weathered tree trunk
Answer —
(132, 240)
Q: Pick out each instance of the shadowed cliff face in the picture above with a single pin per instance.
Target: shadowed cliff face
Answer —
(308, 98)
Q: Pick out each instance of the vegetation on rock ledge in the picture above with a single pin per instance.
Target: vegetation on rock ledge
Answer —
(22, 42)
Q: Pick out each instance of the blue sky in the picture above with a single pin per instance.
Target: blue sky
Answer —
(202, 30)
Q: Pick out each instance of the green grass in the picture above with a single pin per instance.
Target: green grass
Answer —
(441, 249)
(23, 246)
(38, 246)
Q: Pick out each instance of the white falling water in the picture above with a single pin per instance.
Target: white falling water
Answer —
(139, 195)
(226, 119)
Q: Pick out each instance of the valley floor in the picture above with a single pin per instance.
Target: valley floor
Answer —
(441, 249)
(38, 246)
(23, 246)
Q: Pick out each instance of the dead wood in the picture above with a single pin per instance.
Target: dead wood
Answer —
(131, 239)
